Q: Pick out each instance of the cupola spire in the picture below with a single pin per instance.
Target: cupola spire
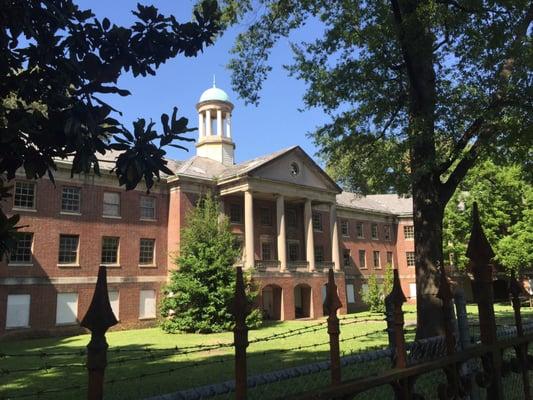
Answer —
(214, 126)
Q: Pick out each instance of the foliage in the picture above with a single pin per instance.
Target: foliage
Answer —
(374, 297)
(201, 290)
(417, 92)
(376, 293)
(57, 60)
(505, 201)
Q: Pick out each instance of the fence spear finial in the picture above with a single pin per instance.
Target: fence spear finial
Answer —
(479, 249)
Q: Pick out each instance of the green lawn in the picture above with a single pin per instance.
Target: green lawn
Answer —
(188, 370)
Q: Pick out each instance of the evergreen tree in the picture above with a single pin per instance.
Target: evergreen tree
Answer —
(200, 293)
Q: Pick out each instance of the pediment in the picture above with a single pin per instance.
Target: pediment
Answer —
(298, 168)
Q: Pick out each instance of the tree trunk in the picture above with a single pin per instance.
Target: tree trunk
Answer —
(427, 217)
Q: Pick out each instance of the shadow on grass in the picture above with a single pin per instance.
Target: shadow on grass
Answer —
(135, 373)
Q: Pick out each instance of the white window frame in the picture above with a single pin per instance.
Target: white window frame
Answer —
(71, 212)
(345, 224)
(365, 266)
(387, 232)
(33, 207)
(118, 205)
(146, 264)
(117, 262)
(77, 261)
(143, 206)
(378, 266)
(407, 257)
(18, 311)
(143, 312)
(376, 236)
(70, 307)
(23, 263)
(362, 226)
(409, 232)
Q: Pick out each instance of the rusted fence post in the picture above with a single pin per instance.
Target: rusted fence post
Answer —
(332, 304)
(515, 290)
(402, 389)
(480, 254)
(98, 319)
(453, 389)
(240, 337)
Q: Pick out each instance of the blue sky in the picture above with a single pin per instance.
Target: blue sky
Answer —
(276, 123)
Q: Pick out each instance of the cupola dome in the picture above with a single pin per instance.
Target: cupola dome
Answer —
(214, 93)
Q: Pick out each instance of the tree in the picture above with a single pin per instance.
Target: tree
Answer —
(505, 199)
(56, 61)
(417, 92)
(374, 295)
(200, 293)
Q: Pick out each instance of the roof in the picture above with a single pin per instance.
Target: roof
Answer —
(385, 203)
(214, 93)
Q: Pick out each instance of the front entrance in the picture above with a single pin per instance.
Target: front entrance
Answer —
(271, 299)
(302, 301)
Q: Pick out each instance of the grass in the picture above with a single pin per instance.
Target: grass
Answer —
(358, 331)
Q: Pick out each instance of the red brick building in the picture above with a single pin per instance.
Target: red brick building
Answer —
(293, 221)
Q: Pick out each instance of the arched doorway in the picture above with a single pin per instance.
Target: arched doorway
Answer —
(271, 302)
(302, 301)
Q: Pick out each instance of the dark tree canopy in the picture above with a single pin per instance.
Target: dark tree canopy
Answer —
(417, 91)
(56, 61)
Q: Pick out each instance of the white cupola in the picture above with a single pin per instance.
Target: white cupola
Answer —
(214, 126)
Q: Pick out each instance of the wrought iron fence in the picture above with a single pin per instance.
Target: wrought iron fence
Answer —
(492, 363)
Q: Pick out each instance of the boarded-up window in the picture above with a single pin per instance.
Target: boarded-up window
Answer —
(412, 290)
(67, 308)
(115, 304)
(350, 293)
(18, 311)
(147, 304)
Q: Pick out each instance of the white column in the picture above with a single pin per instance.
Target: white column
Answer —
(334, 237)
(249, 229)
(219, 123)
(201, 126)
(282, 247)
(208, 122)
(309, 235)
(228, 125)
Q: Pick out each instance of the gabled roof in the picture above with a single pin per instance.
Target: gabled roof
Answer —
(383, 203)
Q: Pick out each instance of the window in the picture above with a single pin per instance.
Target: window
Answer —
(146, 253)
(410, 255)
(147, 207)
(360, 232)
(114, 301)
(68, 249)
(111, 204)
(290, 214)
(389, 259)
(67, 308)
(266, 251)
(21, 254)
(350, 293)
(346, 257)
(147, 304)
(412, 290)
(319, 254)
(386, 232)
(294, 251)
(345, 228)
(409, 232)
(317, 222)
(265, 216)
(24, 195)
(376, 258)
(235, 215)
(18, 311)
(110, 250)
(362, 259)
(374, 231)
(70, 199)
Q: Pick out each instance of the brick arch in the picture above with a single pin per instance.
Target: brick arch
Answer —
(272, 302)
(303, 301)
